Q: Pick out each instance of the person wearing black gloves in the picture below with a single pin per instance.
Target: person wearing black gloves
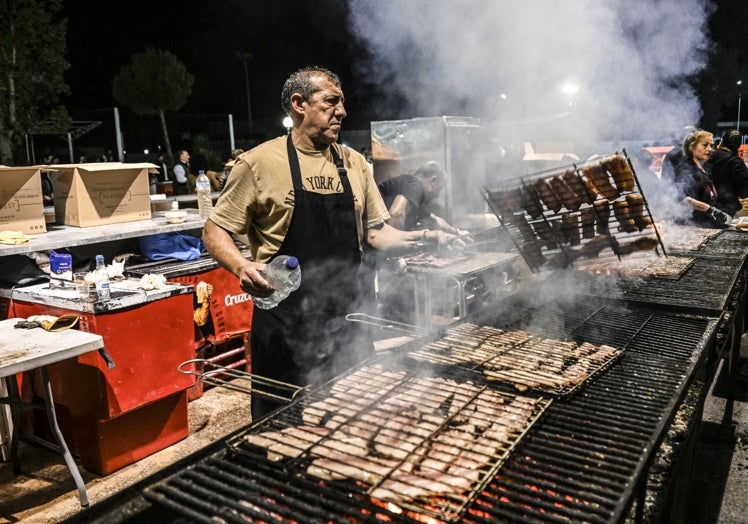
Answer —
(729, 172)
(694, 182)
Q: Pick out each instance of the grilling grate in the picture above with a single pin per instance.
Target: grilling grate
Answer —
(555, 217)
(582, 461)
(727, 243)
(518, 358)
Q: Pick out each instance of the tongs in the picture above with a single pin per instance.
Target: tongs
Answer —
(383, 323)
(223, 376)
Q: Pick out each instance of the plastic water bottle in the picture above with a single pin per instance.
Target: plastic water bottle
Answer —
(203, 190)
(284, 274)
(101, 280)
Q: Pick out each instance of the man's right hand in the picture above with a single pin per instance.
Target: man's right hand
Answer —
(253, 282)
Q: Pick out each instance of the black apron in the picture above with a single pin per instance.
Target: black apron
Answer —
(306, 339)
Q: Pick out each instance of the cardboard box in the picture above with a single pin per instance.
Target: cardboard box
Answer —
(101, 193)
(21, 201)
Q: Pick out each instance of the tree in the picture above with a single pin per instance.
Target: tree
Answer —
(153, 83)
(32, 67)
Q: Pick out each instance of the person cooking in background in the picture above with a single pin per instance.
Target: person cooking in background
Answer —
(694, 182)
(729, 173)
(407, 197)
(307, 196)
(181, 170)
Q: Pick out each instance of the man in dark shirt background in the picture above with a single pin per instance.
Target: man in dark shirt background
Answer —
(729, 172)
(407, 198)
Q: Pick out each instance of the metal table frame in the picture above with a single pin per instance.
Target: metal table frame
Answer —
(25, 350)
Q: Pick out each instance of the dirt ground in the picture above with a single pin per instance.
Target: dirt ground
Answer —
(44, 492)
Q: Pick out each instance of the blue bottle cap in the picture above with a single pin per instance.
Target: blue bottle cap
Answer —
(292, 263)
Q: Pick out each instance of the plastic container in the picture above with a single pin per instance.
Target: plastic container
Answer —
(204, 198)
(284, 274)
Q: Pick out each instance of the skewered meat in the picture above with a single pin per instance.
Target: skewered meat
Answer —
(576, 183)
(593, 248)
(533, 254)
(640, 244)
(602, 211)
(568, 196)
(621, 212)
(519, 220)
(547, 195)
(621, 172)
(563, 259)
(545, 233)
(587, 218)
(558, 225)
(506, 201)
(531, 201)
(636, 210)
(599, 178)
(571, 221)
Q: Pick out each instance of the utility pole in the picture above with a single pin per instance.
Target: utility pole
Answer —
(245, 59)
(740, 97)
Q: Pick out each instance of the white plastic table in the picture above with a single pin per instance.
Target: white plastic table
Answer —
(27, 349)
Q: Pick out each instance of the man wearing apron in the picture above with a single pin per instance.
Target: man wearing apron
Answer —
(307, 196)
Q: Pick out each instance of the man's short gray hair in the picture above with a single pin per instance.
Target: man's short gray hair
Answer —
(302, 82)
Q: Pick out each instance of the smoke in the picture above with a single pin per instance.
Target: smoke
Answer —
(625, 64)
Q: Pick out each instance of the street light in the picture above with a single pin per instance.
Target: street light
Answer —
(740, 96)
(245, 59)
(288, 124)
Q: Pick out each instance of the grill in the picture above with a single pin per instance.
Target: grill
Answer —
(582, 458)
(727, 243)
(703, 288)
(555, 217)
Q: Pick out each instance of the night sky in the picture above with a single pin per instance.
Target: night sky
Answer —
(283, 35)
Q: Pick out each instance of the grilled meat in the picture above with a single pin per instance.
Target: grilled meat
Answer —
(600, 180)
(593, 248)
(568, 196)
(602, 212)
(640, 244)
(621, 172)
(587, 217)
(576, 183)
(636, 211)
(506, 201)
(545, 233)
(571, 223)
(622, 214)
(547, 195)
(531, 201)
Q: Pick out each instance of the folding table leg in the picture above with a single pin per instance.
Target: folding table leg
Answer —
(14, 398)
(52, 417)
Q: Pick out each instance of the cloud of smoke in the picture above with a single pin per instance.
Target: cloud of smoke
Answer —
(507, 62)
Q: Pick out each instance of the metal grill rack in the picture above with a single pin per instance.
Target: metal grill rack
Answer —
(557, 216)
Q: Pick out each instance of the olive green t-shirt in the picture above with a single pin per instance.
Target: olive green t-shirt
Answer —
(258, 199)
